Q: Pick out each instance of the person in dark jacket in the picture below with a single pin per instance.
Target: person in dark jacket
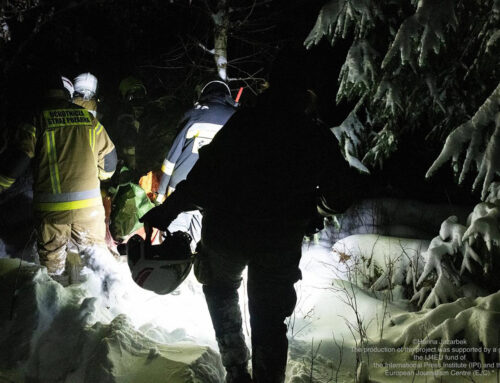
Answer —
(258, 184)
(142, 129)
(197, 128)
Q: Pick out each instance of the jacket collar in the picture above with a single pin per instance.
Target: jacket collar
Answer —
(56, 93)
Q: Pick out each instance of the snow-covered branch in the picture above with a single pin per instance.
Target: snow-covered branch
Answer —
(423, 32)
(358, 73)
(350, 135)
(474, 132)
(338, 17)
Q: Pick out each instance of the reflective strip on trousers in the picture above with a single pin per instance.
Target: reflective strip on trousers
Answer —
(53, 167)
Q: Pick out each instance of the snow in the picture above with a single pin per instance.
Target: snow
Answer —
(106, 329)
(424, 29)
(348, 135)
(221, 67)
(405, 64)
(358, 71)
(475, 134)
(338, 17)
(352, 302)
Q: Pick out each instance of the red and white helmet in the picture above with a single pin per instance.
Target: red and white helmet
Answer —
(160, 268)
(68, 85)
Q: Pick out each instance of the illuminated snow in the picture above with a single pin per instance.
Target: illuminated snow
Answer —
(109, 329)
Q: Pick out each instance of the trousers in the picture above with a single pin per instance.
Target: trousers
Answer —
(56, 229)
(271, 299)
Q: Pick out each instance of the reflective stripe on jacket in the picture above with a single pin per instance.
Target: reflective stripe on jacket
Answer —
(201, 125)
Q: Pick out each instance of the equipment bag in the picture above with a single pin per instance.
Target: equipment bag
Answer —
(129, 204)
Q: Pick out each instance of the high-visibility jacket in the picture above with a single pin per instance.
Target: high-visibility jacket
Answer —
(90, 105)
(200, 125)
(70, 152)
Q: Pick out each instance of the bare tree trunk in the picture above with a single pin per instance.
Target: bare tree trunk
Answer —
(221, 23)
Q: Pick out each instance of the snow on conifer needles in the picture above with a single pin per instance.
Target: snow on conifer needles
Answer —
(420, 65)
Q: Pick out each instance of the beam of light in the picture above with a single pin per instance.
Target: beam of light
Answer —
(178, 316)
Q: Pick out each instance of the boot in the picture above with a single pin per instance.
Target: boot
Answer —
(62, 279)
(238, 374)
(268, 364)
(74, 266)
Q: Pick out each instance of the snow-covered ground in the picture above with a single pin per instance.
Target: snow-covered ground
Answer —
(107, 329)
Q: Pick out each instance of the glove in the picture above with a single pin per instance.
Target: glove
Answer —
(159, 217)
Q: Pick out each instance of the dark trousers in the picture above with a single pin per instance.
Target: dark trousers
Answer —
(271, 298)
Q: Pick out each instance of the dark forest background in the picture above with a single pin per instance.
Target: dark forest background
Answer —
(161, 42)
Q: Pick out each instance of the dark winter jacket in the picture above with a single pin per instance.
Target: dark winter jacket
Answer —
(140, 140)
(259, 180)
(198, 127)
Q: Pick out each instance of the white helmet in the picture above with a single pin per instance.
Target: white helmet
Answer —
(68, 85)
(215, 86)
(86, 85)
(161, 268)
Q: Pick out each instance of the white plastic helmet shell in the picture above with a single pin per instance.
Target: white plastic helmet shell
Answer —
(68, 85)
(86, 85)
(160, 277)
(161, 268)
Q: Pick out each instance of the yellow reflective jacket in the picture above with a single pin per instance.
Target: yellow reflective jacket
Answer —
(90, 105)
(70, 151)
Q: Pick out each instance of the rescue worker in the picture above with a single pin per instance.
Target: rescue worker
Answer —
(85, 94)
(70, 153)
(133, 93)
(142, 129)
(258, 184)
(85, 91)
(197, 129)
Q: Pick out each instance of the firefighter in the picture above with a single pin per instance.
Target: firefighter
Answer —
(197, 129)
(258, 184)
(85, 94)
(70, 153)
(142, 129)
(133, 94)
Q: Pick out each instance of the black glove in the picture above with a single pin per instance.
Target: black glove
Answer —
(159, 217)
(315, 225)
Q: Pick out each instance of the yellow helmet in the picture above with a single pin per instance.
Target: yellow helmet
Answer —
(130, 85)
